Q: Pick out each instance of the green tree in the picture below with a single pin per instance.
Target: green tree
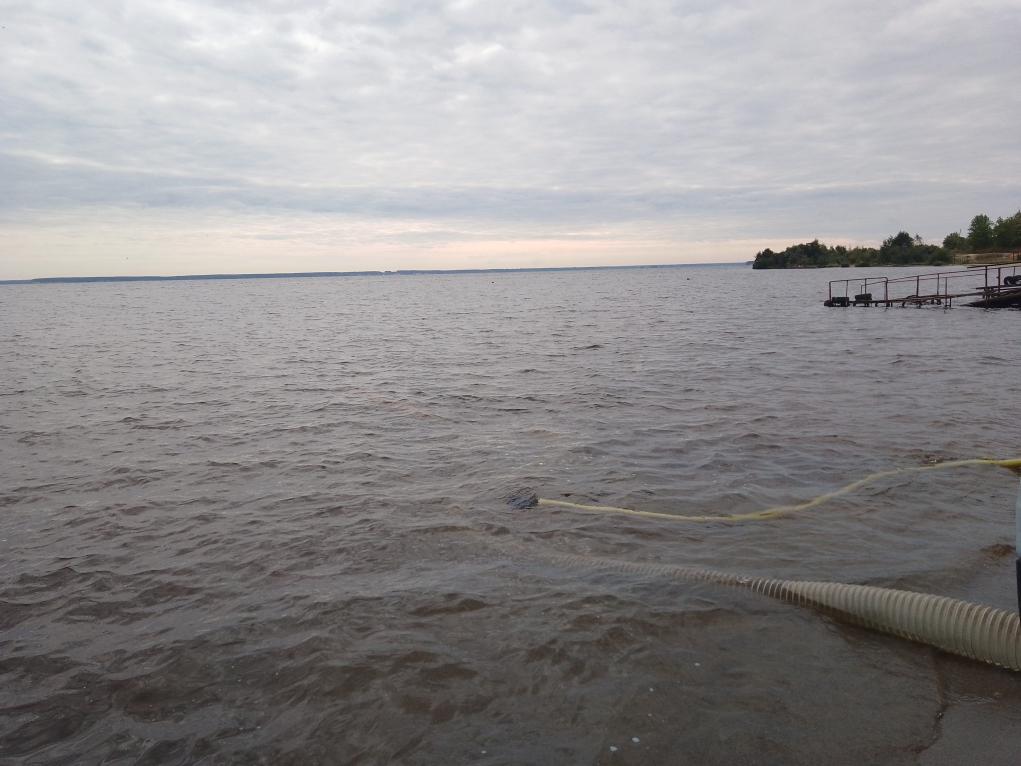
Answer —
(980, 233)
(766, 259)
(955, 242)
(1007, 232)
(898, 249)
(899, 241)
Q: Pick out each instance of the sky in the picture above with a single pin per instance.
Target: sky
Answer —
(219, 136)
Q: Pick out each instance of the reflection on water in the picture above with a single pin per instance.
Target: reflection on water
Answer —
(263, 522)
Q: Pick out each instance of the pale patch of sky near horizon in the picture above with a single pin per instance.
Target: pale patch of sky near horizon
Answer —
(181, 136)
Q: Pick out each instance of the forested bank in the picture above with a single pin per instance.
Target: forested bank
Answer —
(984, 236)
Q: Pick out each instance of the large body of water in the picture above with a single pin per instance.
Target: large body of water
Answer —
(263, 522)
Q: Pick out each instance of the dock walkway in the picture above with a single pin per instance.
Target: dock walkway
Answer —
(995, 285)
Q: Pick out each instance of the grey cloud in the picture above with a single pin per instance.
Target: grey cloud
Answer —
(755, 115)
(35, 184)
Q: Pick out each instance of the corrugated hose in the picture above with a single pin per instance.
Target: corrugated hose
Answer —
(982, 633)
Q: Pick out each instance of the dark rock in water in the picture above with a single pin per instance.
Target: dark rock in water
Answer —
(522, 499)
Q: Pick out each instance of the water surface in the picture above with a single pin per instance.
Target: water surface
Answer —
(263, 521)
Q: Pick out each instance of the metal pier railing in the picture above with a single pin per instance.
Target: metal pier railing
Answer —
(990, 285)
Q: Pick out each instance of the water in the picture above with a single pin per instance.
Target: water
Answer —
(263, 521)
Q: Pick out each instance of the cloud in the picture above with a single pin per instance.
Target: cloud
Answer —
(693, 120)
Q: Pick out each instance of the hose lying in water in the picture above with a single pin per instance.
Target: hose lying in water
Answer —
(975, 631)
(781, 510)
(979, 632)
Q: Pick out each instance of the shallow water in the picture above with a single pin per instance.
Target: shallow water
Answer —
(264, 521)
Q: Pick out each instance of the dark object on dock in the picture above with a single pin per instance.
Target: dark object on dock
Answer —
(994, 285)
(865, 298)
(841, 301)
(1001, 299)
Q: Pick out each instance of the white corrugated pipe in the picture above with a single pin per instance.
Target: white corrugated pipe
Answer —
(976, 631)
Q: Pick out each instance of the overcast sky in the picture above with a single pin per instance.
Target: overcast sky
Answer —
(183, 136)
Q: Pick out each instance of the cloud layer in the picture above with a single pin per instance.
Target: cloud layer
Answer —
(426, 134)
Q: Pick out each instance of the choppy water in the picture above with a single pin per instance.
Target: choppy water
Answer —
(261, 522)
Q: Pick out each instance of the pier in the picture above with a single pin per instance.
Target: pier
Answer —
(993, 285)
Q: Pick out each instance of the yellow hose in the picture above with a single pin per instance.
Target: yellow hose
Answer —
(777, 511)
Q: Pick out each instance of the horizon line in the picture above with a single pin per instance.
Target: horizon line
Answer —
(318, 274)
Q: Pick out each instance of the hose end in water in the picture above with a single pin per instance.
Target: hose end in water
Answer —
(522, 499)
(1011, 465)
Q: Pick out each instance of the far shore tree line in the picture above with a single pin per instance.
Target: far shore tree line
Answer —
(984, 236)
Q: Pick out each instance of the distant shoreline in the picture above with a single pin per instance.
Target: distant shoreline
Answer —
(320, 274)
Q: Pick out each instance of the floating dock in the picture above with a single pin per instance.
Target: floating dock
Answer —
(993, 285)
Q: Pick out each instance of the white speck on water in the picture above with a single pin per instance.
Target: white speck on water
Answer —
(651, 689)
(613, 748)
(698, 664)
(635, 740)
